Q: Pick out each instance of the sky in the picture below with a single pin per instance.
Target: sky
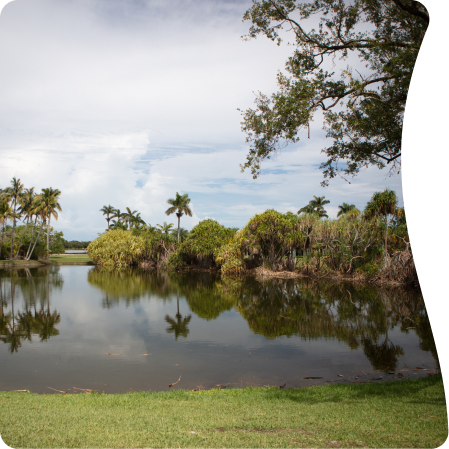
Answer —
(125, 103)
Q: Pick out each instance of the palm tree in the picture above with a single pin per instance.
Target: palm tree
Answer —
(318, 202)
(345, 208)
(315, 206)
(309, 209)
(165, 228)
(14, 193)
(137, 221)
(39, 211)
(180, 205)
(50, 206)
(128, 216)
(26, 209)
(6, 213)
(107, 210)
(382, 204)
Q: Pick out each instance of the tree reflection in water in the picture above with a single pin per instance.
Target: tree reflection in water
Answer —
(361, 316)
(34, 285)
(178, 326)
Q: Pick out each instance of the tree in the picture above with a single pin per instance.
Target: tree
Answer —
(382, 204)
(6, 213)
(129, 216)
(14, 194)
(50, 207)
(363, 106)
(345, 208)
(316, 206)
(109, 212)
(165, 228)
(26, 209)
(180, 205)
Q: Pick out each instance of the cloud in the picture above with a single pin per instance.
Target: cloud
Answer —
(127, 103)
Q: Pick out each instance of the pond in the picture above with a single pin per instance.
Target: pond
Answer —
(79, 327)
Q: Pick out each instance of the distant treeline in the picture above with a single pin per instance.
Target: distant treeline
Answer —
(74, 244)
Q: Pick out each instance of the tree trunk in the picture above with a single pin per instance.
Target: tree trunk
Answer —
(23, 235)
(179, 215)
(13, 229)
(48, 234)
(386, 234)
(3, 234)
(31, 239)
(37, 238)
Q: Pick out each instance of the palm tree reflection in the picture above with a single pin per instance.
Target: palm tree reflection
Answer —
(179, 325)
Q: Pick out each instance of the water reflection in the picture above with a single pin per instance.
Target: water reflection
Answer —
(214, 318)
(179, 325)
(359, 315)
(34, 286)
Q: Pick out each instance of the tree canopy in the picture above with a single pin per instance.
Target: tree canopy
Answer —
(363, 105)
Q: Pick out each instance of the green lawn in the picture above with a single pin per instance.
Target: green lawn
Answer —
(408, 413)
(18, 263)
(70, 258)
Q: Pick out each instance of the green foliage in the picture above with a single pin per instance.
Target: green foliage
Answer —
(204, 242)
(383, 35)
(117, 248)
(230, 255)
(273, 235)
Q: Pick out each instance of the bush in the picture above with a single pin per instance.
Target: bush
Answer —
(204, 241)
(273, 235)
(117, 248)
(230, 255)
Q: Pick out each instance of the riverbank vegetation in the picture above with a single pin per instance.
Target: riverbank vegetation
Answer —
(408, 413)
(35, 238)
(370, 245)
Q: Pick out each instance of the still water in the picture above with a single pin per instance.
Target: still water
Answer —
(66, 327)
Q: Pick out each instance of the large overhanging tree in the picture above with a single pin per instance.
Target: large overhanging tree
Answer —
(363, 105)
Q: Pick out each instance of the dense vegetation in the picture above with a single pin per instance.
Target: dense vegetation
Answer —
(35, 210)
(74, 244)
(372, 244)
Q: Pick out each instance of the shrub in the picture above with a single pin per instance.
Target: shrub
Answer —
(204, 242)
(273, 235)
(117, 248)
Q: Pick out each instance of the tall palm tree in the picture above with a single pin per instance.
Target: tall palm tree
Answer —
(50, 206)
(26, 209)
(345, 208)
(165, 228)
(39, 212)
(14, 193)
(108, 210)
(382, 204)
(180, 206)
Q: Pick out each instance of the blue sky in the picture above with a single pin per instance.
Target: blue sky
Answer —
(127, 103)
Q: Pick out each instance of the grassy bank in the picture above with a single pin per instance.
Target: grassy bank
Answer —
(409, 413)
(19, 263)
(70, 259)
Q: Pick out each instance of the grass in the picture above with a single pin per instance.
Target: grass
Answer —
(70, 258)
(408, 413)
(17, 263)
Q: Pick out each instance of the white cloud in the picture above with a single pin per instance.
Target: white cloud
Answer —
(127, 103)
